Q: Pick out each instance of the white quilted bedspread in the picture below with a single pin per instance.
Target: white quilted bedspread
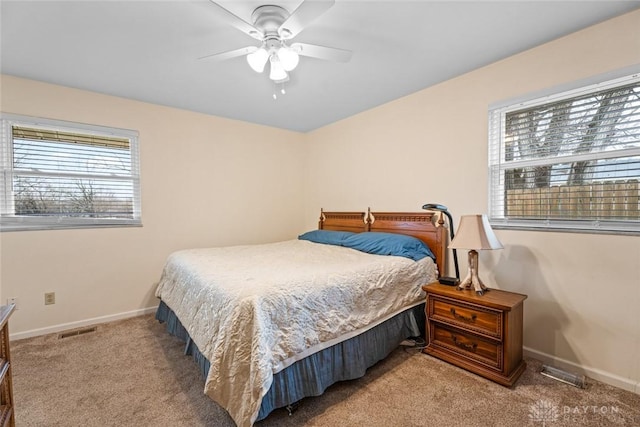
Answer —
(254, 310)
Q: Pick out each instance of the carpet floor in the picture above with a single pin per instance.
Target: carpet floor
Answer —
(133, 373)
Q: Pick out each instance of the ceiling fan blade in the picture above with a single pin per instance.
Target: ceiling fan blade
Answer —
(322, 52)
(240, 23)
(223, 56)
(306, 13)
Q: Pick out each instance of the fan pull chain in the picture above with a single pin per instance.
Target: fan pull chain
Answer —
(282, 91)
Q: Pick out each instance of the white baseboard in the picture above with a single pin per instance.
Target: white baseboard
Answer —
(81, 323)
(596, 374)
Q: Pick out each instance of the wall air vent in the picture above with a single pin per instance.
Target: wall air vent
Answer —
(75, 332)
(575, 380)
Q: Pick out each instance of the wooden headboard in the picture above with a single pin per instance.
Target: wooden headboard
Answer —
(421, 225)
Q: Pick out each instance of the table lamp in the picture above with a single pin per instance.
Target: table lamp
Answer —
(474, 233)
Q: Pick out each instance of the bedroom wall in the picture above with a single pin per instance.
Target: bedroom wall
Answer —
(205, 181)
(431, 146)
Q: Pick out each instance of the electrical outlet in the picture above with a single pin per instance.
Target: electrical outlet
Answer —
(49, 298)
(13, 300)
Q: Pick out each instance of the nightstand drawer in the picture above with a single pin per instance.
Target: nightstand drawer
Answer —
(480, 349)
(468, 316)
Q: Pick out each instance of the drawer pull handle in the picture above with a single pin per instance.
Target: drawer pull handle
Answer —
(465, 346)
(471, 319)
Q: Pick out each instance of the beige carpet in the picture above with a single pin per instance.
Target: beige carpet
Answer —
(132, 373)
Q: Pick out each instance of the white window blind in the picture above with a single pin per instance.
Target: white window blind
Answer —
(66, 175)
(569, 161)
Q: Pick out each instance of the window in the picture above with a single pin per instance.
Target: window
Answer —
(67, 175)
(569, 161)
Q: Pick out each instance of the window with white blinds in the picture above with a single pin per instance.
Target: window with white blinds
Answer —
(569, 161)
(66, 175)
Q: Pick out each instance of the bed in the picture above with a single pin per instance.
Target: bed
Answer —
(271, 324)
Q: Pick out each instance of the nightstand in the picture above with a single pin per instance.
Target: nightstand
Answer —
(482, 334)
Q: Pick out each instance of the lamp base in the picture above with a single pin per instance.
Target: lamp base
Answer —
(472, 279)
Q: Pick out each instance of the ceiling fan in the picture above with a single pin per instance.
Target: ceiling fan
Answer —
(274, 27)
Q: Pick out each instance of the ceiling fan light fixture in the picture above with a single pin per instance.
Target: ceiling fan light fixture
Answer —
(278, 72)
(288, 57)
(274, 26)
(258, 59)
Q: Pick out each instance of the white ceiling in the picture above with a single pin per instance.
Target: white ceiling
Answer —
(148, 50)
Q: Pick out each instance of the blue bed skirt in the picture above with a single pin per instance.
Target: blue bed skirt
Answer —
(312, 375)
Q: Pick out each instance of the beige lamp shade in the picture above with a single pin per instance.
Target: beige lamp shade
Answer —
(474, 232)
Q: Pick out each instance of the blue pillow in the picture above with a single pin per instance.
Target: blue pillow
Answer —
(378, 243)
(328, 237)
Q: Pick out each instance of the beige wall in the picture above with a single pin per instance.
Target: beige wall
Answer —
(431, 146)
(205, 181)
(208, 181)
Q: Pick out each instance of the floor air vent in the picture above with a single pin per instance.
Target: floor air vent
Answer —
(575, 380)
(75, 332)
